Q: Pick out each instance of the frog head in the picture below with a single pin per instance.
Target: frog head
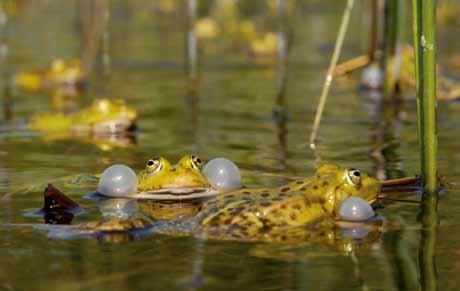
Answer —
(333, 184)
(105, 116)
(159, 176)
(64, 73)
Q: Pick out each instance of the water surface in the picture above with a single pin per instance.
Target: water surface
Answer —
(233, 118)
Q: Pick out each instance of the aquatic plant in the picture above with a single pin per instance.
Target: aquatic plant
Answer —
(330, 72)
(424, 25)
(394, 28)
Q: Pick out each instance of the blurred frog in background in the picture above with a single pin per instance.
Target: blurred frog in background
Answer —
(60, 74)
(106, 123)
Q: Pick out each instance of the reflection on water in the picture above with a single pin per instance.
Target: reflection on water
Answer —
(233, 117)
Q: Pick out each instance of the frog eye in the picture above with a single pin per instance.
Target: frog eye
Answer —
(354, 177)
(196, 162)
(154, 165)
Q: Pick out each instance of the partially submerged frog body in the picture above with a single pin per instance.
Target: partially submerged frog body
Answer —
(60, 74)
(180, 182)
(103, 116)
(185, 177)
(265, 214)
(303, 210)
(167, 210)
(159, 176)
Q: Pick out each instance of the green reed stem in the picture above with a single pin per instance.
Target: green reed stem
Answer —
(373, 40)
(394, 29)
(5, 85)
(191, 50)
(424, 25)
(105, 39)
(427, 250)
(330, 72)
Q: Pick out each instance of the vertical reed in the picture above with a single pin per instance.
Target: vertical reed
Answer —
(424, 25)
(330, 73)
(191, 52)
(280, 111)
(105, 42)
(282, 54)
(93, 22)
(373, 41)
(7, 100)
(393, 30)
(191, 42)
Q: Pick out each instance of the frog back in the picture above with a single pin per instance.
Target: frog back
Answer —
(259, 211)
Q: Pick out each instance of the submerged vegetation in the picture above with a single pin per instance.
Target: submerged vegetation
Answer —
(99, 96)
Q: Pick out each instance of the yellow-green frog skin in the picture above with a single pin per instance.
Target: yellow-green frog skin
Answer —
(300, 211)
(183, 177)
(267, 213)
(103, 116)
(60, 73)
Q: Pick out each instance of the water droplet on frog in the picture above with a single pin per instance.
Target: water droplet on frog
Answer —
(356, 209)
(117, 181)
(223, 174)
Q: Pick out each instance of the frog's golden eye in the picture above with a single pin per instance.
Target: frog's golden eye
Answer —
(354, 177)
(154, 165)
(196, 162)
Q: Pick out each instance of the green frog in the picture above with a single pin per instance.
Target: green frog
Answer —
(102, 116)
(165, 192)
(160, 180)
(297, 211)
(60, 73)
(268, 213)
(160, 176)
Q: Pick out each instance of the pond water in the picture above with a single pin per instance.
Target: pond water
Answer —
(233, 118)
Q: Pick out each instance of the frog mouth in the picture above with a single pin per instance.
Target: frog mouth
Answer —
(176, 194)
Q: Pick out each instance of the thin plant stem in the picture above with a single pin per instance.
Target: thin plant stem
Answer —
(424, 25)
(105, 42)
(330, 73)
(5, 90)
(280, 111)
(93, 22)
(394, 29)
(282, 54)
(373, 40)
(191, 50)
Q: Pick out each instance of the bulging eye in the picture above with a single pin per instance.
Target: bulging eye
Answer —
(354, 177)
(154, 165)
(196, 162)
